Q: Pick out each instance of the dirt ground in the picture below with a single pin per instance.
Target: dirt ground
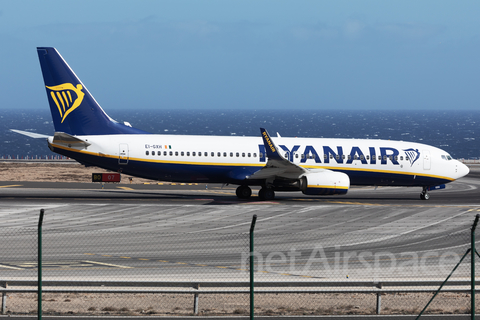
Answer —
(55, 172)
(92, 304)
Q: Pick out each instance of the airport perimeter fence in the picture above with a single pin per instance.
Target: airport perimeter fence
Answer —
(100, 272)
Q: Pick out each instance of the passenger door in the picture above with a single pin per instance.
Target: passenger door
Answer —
(426, 160)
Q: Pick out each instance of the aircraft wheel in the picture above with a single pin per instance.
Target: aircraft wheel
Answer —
(261, 194)
(243, 192)
(266, 194)
(424, 196)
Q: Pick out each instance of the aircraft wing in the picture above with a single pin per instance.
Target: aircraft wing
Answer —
(30, 134)
(277, 166)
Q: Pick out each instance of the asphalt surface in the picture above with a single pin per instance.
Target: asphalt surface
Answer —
(115, 231)
(373, 220)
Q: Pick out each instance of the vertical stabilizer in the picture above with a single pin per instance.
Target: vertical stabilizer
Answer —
(74, 110)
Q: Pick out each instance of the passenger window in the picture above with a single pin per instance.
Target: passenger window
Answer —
(147, 153)
(254, 155)
(237, 154)
(176, 153)
(219, 154)
(212, 154)
(243, 154)
(171, 153)
(349, 157)
(401, 158)
(380, 158)
(193, 154)
(224, 154)
(188, 153)
(303, 155)
(368, 157)
(182, 153)
(296, 155)
(260, 155)
(343, 156)
(231, 154)
(396, 158)
(249, 154)
(384, 157)
(206, 154)
(355, 157)
(337, 157)
(406, 158)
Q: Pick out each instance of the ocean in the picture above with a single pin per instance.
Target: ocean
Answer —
(453, 131)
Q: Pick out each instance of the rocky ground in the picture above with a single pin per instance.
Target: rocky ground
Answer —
(55, 172)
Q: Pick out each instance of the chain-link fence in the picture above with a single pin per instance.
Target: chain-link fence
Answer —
(299, 273)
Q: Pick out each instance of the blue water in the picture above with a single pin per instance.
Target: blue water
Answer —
(457, 132)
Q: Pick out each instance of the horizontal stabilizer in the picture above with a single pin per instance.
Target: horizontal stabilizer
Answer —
(30, 134)
(66, 139)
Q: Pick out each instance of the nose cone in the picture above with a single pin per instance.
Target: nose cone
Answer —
(461, 170)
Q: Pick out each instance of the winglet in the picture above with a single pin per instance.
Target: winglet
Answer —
(270, 148)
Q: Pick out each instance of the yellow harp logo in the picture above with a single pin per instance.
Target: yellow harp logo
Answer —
(62, 96)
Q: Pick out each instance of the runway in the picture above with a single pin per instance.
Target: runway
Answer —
(193, 232)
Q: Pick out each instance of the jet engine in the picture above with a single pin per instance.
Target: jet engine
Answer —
(324, 182)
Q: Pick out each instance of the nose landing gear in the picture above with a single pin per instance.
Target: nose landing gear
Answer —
(424, 195)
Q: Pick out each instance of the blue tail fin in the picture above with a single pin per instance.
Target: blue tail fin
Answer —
(74, 110)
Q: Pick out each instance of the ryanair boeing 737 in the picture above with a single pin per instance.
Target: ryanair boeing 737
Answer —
(84, 132)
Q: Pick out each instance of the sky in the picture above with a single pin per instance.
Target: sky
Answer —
(262, 54)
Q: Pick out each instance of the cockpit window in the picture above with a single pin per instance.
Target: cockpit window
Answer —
(446, 157)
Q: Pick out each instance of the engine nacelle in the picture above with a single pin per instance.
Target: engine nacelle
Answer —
(325, 182)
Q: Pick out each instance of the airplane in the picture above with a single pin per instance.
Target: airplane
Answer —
(314, 166)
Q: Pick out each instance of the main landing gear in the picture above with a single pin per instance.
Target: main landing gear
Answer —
(424, 195)
(244, 192)
(266, 193)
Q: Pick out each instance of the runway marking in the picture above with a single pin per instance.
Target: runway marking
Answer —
(125, 188)
(9, 267)
(27, 265)
(109, 264)
(12, 185)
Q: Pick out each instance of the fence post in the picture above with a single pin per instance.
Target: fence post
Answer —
(252, 266)
(379, 298)
(39, 266)
(195, 299)
(472, 273)
(4, 298)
